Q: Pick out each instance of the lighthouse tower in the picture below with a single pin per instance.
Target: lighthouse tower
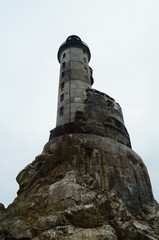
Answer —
(82, 109)
(75, 77)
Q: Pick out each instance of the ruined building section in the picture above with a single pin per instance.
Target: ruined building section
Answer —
(82, 109)
(87, 183)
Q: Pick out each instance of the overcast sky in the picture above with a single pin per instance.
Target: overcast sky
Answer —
(123, 37)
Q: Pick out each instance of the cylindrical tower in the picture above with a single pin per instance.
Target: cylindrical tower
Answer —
(75, 77)
(82, 109)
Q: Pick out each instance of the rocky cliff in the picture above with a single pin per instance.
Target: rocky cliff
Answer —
(83, 186)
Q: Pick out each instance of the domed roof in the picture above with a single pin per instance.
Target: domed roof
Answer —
(73, 38)
(73, 41)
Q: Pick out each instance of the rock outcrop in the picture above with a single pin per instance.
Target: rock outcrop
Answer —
(83, 186)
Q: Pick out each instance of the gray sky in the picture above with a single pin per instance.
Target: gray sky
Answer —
(123, 37)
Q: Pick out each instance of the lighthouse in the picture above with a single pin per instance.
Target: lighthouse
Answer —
(87, 183)
(80, 108)
(75, 77)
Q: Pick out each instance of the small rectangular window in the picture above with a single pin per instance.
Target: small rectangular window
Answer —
(63, 74)
(62, 97)
(78, 115)
(84, 59)
(64, 55)
(84, 51)
(61, 111)
(62, 85)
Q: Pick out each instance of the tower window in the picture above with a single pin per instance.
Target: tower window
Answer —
(64, 55)
(61, 111)
(84, 51)
(84, 59)
(62, 97)
(62, 85)
(63, 74)
(78, 115)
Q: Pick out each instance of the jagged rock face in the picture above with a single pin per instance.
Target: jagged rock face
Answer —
(83, 187)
